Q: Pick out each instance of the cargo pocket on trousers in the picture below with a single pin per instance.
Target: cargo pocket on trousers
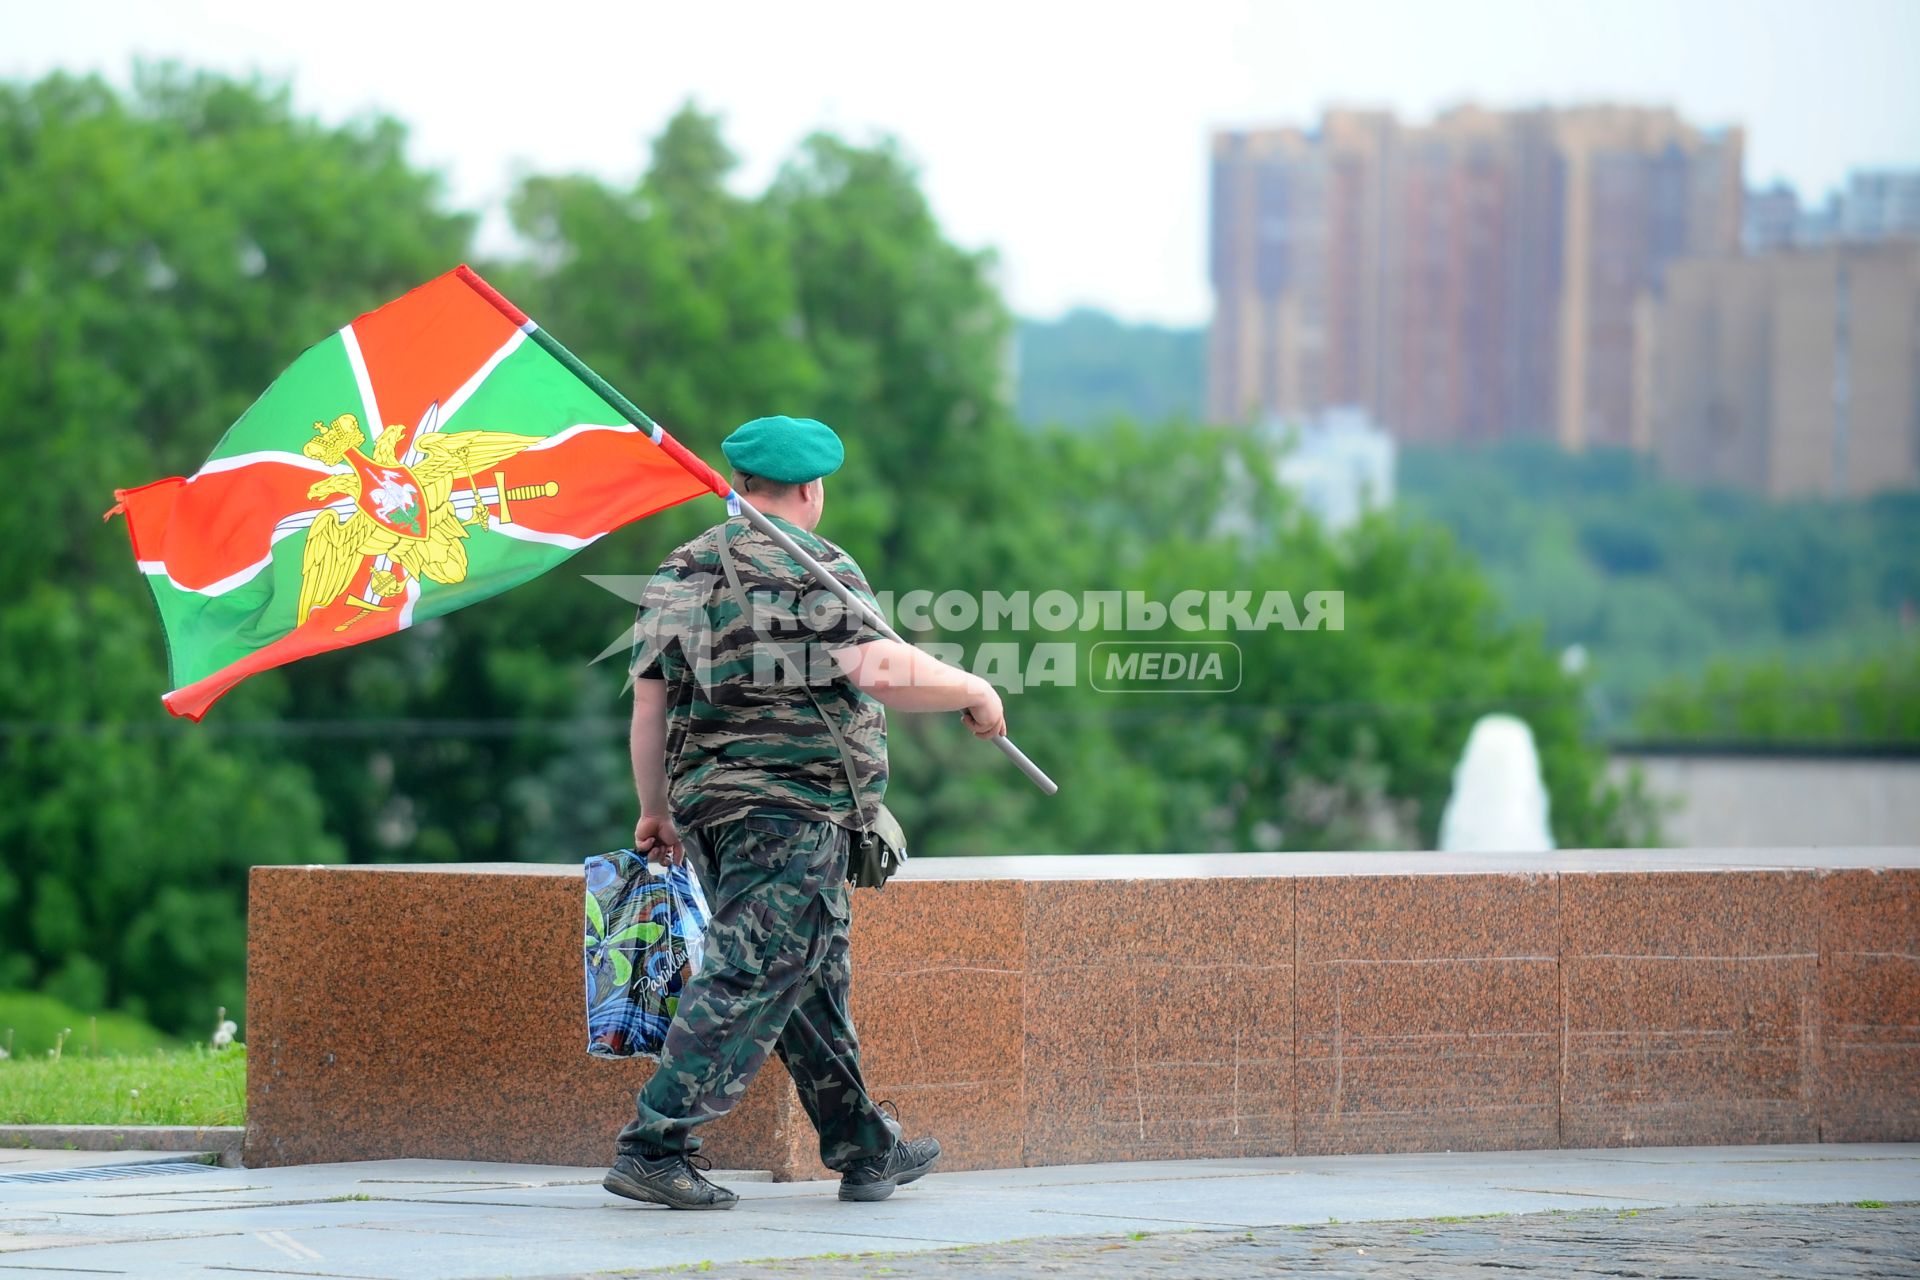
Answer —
(757, 951)
(832, 927)
(788, 907)
(748, 939)
(771, 842)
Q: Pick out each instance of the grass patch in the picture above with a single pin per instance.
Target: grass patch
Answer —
(31, 1024)
(197, 1086)
(1869, 1204)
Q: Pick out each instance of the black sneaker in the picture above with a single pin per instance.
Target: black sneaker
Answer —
(876, 1179)
(669, 1179)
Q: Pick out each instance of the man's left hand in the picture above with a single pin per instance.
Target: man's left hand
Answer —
(653, 833)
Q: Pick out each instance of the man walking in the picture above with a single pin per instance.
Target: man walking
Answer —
(739, 770)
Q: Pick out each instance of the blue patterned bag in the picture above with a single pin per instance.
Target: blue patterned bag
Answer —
(645, 928)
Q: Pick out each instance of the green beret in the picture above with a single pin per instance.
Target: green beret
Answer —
(783, 449)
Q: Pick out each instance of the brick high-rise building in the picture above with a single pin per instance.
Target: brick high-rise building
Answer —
(1488, 275)
(1795, 373)
(1881, 204)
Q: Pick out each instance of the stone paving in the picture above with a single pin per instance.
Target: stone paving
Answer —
(461, 1220)
(1813, 1242)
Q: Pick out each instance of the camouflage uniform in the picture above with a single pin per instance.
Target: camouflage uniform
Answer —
(760, 797)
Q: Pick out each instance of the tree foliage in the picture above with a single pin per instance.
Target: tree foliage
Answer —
(159, 249)
(168, 250)
(1658, 582)
(1871, 702)
(1088, 368)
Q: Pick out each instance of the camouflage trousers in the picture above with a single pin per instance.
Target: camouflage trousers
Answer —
(774, 980)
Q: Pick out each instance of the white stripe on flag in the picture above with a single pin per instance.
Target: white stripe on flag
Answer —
(343, 508)
(429, 425)
(238, 460)
(560, 437)
(524, 534)
(453, 402)
(413, 598)
(285, 528)
(158, 569)
(369, 407)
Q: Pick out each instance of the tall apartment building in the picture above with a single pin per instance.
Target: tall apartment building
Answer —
(1773, 219)
(1876, 204)
(1881, 204)
(1490, 274)
(1794, 373)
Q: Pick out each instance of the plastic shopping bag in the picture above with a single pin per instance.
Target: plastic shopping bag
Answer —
(645, 928)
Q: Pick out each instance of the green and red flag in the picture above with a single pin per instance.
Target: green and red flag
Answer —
(433, 453)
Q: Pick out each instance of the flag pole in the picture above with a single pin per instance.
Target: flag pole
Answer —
(872, 618)
(698, 468)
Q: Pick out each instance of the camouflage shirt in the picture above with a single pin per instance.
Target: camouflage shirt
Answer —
(742, 736)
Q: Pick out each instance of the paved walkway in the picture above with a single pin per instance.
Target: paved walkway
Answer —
(433, 1219)
(1821, 1243)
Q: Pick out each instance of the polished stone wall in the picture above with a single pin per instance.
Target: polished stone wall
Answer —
(1068, 1010)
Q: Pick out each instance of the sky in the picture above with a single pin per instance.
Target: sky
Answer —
(1070, 138)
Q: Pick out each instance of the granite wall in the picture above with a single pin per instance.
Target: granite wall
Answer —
(1180, 1007)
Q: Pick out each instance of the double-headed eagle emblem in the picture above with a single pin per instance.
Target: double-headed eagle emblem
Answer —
(403, 511)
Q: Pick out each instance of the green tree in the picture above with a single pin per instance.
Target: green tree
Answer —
(1657, 581)
(676, 290)
(1087, 368)
(1862, 702)
(1334, 738)
(911, 340)
(159, 248)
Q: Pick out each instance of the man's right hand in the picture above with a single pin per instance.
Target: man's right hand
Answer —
(908, 679)
(653, 833)
(985, 715)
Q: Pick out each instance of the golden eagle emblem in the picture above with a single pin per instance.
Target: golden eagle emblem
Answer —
(404, 513)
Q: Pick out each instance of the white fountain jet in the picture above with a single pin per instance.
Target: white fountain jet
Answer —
(1499, 804)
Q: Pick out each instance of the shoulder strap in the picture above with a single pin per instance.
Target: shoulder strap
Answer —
(833, 728)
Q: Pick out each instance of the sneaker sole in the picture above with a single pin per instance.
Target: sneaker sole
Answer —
(624, 1186)
(867, 1192)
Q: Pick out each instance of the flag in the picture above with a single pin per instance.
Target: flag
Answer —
(434, 452)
